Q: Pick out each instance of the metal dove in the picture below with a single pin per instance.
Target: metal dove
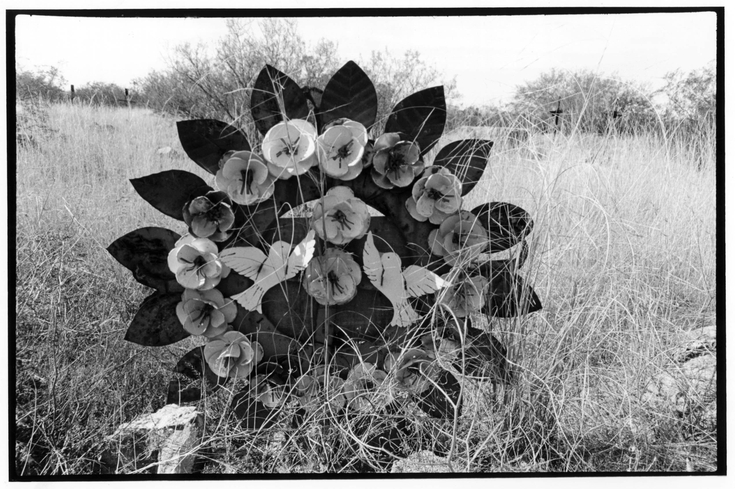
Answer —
(267, 271)
(386, 274)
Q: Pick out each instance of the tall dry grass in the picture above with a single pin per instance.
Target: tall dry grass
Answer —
(622, 257)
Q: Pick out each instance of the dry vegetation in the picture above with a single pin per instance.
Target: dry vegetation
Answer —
(623, 259)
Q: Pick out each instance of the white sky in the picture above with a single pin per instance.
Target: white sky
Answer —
(488, 55)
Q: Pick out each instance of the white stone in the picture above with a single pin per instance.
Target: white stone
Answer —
(692, 384)
(173, 432)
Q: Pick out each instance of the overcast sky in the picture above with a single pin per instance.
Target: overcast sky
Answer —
(489, 56)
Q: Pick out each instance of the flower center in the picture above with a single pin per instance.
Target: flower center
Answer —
(227, 363)
(205, 313)
(395, 160)
(460, 238)
(341, 218)
(199, 263)
(434, 194)
(213, 215)
(247, 180)
(333, 279)
(289, 148)
(343, 152)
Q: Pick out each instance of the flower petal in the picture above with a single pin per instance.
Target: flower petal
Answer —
(225, 218)
(202, 227)
(189, 278)
(358, 132)
(425, 206)
(438, 217)
(387, 140)
(180, 313)
(380, 161)
(411, 206)
(401, 177)
(381, 180)
(200, 205)
(229, 309)
(418, 188)
(435, 243)
(352, 172)
(213, 348)
(448, 204)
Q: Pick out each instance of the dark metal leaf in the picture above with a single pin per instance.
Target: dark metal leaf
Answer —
(507, 224)
(193, 366)
(233, 284)
(485, 357)
(421, 116)
(207, 140)
(145, 253)
(156, 323)
(392, 442)
(467, 159)
(313, 94)
(439, 400)
(168, 191)
(291, 230)
(509, 296)
(350, 94)
(253, 414)
(180, 392)
(275, 94)
(516, 259)
(275, 345)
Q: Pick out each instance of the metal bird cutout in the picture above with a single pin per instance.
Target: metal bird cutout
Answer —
(386, 274)
(267, 271)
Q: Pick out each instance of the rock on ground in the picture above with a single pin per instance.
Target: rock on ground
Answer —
(163, 442)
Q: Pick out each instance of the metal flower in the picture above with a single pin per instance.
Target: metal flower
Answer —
(340, 217)
(459, 238)
(363, 388)
(341, 147)
(245, 178)
(466, 296)
(210, 216)
(313, 390)
(413, 369)
(289, 147)
(395, 162)
(332, 278)
(445, 352)
(196, 264)
(232, 355)
(205, 312)
(436, 195)
(269, 393)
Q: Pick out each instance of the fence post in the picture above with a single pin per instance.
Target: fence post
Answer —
(127, 97)
(72, 94)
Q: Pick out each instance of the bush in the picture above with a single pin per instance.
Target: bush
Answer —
(101, 94)
(44, 83)
(590, 103)
(199, 85)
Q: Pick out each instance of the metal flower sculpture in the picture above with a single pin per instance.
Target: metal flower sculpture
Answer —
(332, 310)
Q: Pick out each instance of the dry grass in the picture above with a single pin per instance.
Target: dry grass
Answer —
(622, 257)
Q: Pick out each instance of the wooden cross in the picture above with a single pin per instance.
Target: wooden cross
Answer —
(556, 114)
